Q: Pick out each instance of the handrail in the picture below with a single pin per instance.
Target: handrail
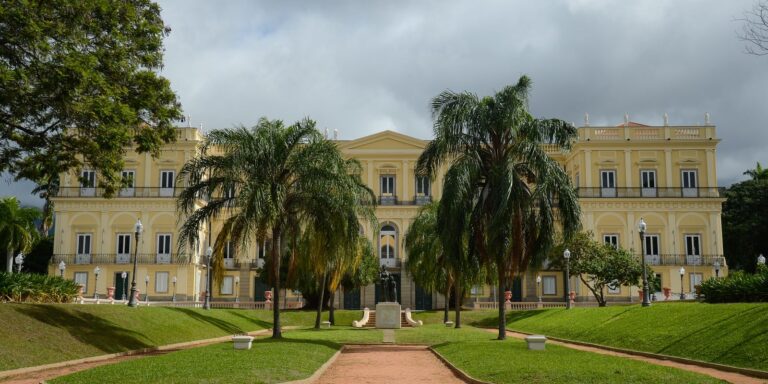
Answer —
(659, 192)
(120, 259)
(133, 192)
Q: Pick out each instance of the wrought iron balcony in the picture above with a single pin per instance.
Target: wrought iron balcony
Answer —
(679, 259)
(638, 192)
(135, 192)
(120, 258)
(394, 200)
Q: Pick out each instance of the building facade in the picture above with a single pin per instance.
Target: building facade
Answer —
(664, 174)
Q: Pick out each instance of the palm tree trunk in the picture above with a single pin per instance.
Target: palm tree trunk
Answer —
(320, 302)
(331, 316)
(502, 310)
(457, 304)
(447, 303)
(9, 260)
(276, 331)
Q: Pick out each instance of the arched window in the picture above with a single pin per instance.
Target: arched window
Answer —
(388, 242)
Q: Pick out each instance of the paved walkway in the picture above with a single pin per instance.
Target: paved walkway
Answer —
(731, 377)
(358, 364)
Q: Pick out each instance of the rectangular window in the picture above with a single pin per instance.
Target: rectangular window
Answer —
(693, 249)
(549, 285)
(651, 249)
(608, 183)
(164, 248)
(166, 183)
(690, 182)
(387, 190)
(387, 185)
(422, 186)
(695, 279)
(227, 285)
(161, 282)
(81, 278)
(123, 248)
(612, 239)
(88, 183)
(83, 248)
(128, 180)
(229, 255)
(648, 183)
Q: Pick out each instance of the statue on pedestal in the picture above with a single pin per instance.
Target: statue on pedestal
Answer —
(388, 285)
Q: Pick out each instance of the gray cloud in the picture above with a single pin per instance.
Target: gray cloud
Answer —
(362, 67)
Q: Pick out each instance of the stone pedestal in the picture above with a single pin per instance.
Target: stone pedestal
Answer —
(388, 315)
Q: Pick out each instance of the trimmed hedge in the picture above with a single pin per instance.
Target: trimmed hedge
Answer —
(34, 288)
(738, 287)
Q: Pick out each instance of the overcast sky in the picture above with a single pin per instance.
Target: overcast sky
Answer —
(362, 66)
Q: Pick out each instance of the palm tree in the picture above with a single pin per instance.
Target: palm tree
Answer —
(427, 263)
(17, 228)
(283, 179)
(759, 173)
(499, 170)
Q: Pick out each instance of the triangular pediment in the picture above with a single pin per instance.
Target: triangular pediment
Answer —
(384, 140)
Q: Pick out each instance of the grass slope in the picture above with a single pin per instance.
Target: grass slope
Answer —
(732, 334)
(74, 331)
(472, 350)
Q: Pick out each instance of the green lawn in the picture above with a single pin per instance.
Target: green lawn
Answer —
(304, 351)
(731, 334)
(75, 331)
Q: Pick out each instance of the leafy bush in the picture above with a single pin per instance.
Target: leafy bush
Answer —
(33, 288)
(737, 287)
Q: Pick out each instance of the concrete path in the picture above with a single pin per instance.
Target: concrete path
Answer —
(368, 364)
(731, 377)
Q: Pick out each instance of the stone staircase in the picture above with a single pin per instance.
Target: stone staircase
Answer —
(372, 320)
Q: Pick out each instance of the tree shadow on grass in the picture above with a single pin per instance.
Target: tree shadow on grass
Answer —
(511, 316)
(87, 328)
(218, 323)
(261, 323)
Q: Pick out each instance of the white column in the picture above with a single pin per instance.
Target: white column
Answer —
(406, 175)
(668, 166)
(588, 168)
(711, 175)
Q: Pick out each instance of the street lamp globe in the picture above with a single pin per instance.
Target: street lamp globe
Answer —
(567, 257)
(717, 268)
(567, 254)
(682, 290)
(761, 259)
(139, 227)
(641, 226)
(62, 267)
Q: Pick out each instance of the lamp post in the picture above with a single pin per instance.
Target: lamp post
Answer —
(538, 287)
(146, 289)
(96, 272)
(173, 298)
(132, 299)
(761, 260)
(124, 275)
(208, 255)
(237, 290)
(567, 257)
(717, 269)
(19, 262)
(682, 290)
(641, 226)
(62, 267)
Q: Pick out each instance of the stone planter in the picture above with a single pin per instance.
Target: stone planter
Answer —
(268, 296)
(507, 296)
(242, 341)
(110, 293)
(572, 296)
(536, 342)
(667, 293)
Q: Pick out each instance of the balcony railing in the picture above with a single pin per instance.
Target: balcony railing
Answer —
(117, 258)
(390, 263)
(621, 133)
(249, 263)
(394, 200)
(637, 192)
(140, 192)
(693, 260)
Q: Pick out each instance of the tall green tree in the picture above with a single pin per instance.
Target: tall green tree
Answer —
(744, 220)
(498, 166)
(79, 83)
(598, 266)
(17, 228)
(272, 181)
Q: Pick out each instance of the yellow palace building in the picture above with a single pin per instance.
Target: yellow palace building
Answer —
(664, 174)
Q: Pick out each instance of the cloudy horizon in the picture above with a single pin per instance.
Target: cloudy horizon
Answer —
(363, 67)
